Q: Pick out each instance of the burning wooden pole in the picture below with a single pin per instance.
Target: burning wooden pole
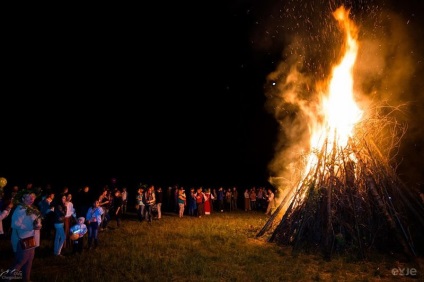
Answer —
(329, 226)
(348, 197)
(390, 221)
(339, 205)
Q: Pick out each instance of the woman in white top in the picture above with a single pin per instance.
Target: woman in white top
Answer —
(26, 222)
(69, 216)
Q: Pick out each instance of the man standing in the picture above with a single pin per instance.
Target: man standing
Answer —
(271, 202)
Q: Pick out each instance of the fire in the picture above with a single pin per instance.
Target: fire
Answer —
(349, 197)
(339, 109)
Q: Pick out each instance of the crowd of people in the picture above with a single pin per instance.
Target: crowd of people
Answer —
(64, 217)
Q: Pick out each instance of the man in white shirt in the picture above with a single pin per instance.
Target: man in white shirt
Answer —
(271, 202)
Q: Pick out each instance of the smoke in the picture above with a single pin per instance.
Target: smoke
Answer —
(291, 100)
(387, 60)
(388, 69)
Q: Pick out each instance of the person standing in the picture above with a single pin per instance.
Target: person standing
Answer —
(234, 198)
(117, 207)
(105, 203)
(94, 220)
(59, 225)
(140, 204)
(192, 203)
(208, 202)
(253, 199)
(259, 199)
(69, 217)
(182, 200)
(228, 199)
(46, 206)
(124, 195)
(150, 200)
(271, 202)
(246, 200)
(159, 200)
(200, 202)
(214, 200)
(26, 222)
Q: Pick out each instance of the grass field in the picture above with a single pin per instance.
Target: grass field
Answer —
(218, 247)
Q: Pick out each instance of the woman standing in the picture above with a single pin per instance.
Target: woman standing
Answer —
(94, 220)
(181, 201)
(69, 217)
(208, 202)
(59, 225)
(150, 201)
(140, 204)
(26, 222)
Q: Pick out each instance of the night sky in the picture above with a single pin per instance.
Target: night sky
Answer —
(170, 93)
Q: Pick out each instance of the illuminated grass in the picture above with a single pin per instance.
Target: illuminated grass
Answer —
(219, 247)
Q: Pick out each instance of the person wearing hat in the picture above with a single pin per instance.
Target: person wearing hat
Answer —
(77, 233)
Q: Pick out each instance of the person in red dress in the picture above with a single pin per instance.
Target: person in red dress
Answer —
(208, 202)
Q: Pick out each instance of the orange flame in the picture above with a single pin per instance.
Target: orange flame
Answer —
(339, 110)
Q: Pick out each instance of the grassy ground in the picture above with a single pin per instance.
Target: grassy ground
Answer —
(219, 247)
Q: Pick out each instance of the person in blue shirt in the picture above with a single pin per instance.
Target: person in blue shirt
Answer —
(94, 220)
(77, 232)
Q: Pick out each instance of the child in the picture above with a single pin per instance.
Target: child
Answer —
(78, 231)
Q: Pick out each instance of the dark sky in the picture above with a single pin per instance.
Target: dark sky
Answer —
(166, 93)
(169, 93)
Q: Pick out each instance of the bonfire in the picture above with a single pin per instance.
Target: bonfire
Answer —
(346, 196)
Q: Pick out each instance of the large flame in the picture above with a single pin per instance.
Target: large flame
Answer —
(339, 109)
